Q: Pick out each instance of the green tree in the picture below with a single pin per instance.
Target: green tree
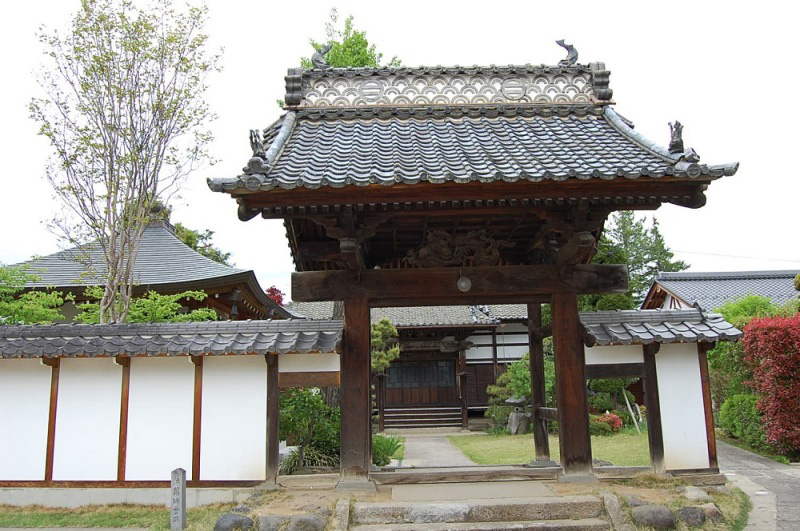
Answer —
(384, 344)
(642, 249)
(349, 46)
(18, 306)
(201, 242)
(151, 308)
(125, 116)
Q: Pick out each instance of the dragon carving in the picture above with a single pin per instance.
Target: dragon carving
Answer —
(475, 248)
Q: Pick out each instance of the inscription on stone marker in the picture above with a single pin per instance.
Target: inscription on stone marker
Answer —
(177, 518)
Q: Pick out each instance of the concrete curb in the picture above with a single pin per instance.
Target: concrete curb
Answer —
(764, 514)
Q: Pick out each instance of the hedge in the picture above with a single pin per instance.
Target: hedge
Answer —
(739, 417)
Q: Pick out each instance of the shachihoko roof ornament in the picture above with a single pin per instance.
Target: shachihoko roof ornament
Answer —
(572, 54)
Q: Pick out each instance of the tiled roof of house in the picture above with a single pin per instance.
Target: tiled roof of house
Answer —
(711, 290)
(170, 339)
(356, 127)
(433, 316)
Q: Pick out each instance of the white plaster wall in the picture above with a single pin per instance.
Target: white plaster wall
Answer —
(614, 354)
(307, 362)
(87, 419)
(160, 417)
(233, 443)
(24, 411)
(682, 413)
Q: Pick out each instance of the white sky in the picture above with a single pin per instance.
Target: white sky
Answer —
(726, 70)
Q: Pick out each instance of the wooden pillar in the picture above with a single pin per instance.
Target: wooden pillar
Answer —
(356, 429)
(55, 364)
(197, 433)
(573, 409)
(541, 440)
(273, 418)
(711, 437)
(655, 435)
(122, 445)
(380, 399)
(461, 380)
(494, 354)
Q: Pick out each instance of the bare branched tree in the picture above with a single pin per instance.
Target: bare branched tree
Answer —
(125, 115)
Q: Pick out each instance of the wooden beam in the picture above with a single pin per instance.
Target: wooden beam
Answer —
(273, 418)
(541, 440)
(197, 416)
(356, 425)
(309, 379)
(615, 370)
(711, 437)
(573, 408)
(324, 251)
(488, 283)
(655, 434)
(55, 364)
(122, 445)
(547, 413)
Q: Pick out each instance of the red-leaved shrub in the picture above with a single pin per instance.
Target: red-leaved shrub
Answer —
(772, 349)
(612, 420)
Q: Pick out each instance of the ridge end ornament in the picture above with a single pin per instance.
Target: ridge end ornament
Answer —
(676, 137)
(257, 143)
(572, 54)
(318, 59)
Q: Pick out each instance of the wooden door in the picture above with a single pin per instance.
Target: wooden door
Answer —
(419, 383)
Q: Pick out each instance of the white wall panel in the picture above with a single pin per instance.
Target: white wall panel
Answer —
(87, 420)
(614, 354)
(24, 410)
(507, 352)
(233, 442)
(308, 362)
(160, 417)
(682, 413)
(478, 353)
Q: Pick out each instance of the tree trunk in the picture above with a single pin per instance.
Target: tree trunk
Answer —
(332, 396)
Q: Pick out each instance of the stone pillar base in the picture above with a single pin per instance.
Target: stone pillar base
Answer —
(577, 478)
(541, 464)
(356, 485)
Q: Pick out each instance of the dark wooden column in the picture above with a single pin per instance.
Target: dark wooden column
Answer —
(655, 435)
(197, 423)
(122, 444)
(273, 419)
(461, 380)
(356, 436)
(711, 437)
(380, 398)
(573, 409)
(541, 441)
(55, 365)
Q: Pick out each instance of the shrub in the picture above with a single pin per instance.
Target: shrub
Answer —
(383, 448)
(598, 427)
(309, 457)
(613, 421)
(739, 417)
(498, 415)
(600, 401)
(772, 351)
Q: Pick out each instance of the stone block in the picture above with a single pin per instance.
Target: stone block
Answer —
(655, 516)
(692, 516)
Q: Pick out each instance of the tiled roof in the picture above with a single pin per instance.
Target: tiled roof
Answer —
(711, 290)
(375, 150)
(655, 326)
(441, 316)
(170, 339)
(162, 259)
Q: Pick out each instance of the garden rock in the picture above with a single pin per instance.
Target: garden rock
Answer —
(712, 512)
(307, 522)
(241, 509)
(692, 516)
(656, 516)
(232, 521)
(720, 489)
(634, 501)
(600, 462)
(696, 494)
(271, 522)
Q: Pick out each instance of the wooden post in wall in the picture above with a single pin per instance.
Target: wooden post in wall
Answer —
(197, 432)
(541, 440)
(655, 434)
(711, 437)
(356, 425)
(573, 409)
(380, 399)
(273, 419)
(122, 443)
(55, 365)
(461, 376)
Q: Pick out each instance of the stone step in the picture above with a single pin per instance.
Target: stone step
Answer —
(585, 524)
(472, 511)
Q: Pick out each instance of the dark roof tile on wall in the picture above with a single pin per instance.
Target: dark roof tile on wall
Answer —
(170, 339)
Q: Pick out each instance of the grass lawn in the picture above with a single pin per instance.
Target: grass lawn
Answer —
(149, 517)
(622, 449)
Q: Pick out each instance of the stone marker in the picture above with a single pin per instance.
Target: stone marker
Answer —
(177, 515)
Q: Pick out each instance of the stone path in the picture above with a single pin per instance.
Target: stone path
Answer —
(773, 487)
(432, 451)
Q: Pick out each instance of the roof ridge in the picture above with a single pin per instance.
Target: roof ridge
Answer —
(719, 275)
